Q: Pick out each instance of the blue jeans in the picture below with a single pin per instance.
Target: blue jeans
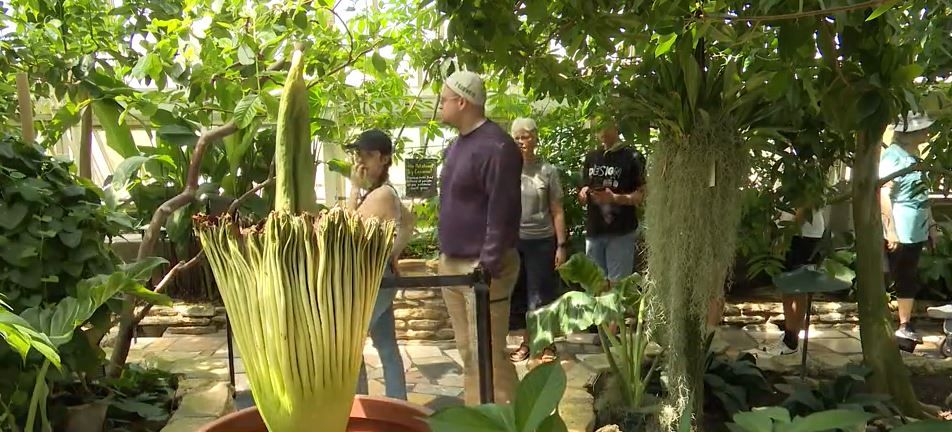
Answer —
(384, 337)
(615, 254)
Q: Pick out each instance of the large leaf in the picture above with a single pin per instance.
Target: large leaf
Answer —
(60, 321)
(339, 166)
(247, 109)
(538, 396)
(22, 337)
(583, 271)
(129, 168)
(830, 420)
(463, 419)
(553, 423)
(12, 215)
(141, 270)
(118, 134)
(754, 421)
(574, 311)
(883, 8)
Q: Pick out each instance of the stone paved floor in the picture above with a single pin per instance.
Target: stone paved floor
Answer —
(434, 371)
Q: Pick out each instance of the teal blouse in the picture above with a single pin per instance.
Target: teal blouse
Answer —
(910, 199)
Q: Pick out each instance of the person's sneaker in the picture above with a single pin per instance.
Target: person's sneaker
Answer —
(942, 312)
(907, 332)
(781, 348)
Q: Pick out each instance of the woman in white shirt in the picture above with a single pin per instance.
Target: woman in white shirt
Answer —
(803, 251)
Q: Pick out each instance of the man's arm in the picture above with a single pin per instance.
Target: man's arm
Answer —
(637, 183)
(502, 184)
(583, 191)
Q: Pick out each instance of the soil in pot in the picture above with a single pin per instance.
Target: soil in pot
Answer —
(368, 414)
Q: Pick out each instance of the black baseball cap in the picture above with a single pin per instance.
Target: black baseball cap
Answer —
(372, 140)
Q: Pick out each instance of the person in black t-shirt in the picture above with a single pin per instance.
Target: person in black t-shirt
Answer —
(613, 179)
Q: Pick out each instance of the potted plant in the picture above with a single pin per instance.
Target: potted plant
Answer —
(299, 288)
(534, 409)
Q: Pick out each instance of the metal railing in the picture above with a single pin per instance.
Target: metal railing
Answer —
(480, 285)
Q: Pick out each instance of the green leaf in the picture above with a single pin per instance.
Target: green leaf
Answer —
(247, 110)
(246, 55)
(339, 166)
(581, 270)
(754, 421)
(60, 321)
(883, 8)
(148, 65)
(462, 419)
(574, 311)
(380, 63)
(830, 420)
(906, 74)
(665, 43)
(553, 423)
(70, 239)
(118, 134)
(692, 75)
(127, 170)
(538, 395)
(22, 337)
(12, 215)
(142, 270)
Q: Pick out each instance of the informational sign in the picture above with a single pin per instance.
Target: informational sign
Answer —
(421, 177)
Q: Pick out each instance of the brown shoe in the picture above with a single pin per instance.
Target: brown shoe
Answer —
(549, 354)
(519, 354)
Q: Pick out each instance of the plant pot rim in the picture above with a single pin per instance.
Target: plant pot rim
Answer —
(392, 411)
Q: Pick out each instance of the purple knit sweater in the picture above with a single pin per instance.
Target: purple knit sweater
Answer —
(480, 198)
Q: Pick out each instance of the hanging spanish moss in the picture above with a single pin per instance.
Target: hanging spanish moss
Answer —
(691, 217)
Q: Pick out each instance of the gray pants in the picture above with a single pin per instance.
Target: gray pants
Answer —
(615, 254)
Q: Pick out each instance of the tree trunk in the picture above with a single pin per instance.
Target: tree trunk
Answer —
(880, 351)
(86, 144)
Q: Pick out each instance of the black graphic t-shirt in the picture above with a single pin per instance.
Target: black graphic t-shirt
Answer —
(622, 171)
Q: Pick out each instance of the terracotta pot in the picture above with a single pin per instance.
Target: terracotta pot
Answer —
(368, 414)
(87, 417)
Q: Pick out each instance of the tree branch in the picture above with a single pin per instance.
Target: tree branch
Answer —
(127, 317)
(167, 280)
(237, 202)
(921, 166)
(796, 15)
(349, 62)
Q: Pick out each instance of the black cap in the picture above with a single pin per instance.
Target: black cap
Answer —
(372, 140)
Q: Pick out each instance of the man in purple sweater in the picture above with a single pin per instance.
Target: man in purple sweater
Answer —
(480, 210)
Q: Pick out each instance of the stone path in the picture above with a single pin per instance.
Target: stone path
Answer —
(434, 371)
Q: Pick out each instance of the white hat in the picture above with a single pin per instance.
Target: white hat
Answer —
(523, 124)
(469, 86)
(913, 122)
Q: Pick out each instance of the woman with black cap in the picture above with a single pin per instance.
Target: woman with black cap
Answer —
(373, 196)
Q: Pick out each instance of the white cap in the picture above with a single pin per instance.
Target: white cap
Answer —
(913, 122)
(523, 124)
(469, 86)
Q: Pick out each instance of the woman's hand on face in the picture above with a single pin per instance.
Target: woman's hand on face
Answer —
(358, 175)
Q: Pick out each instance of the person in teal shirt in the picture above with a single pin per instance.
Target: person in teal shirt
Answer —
(907, 217)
